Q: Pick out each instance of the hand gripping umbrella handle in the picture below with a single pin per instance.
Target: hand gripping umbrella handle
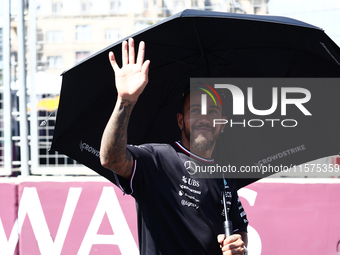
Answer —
(228, 228)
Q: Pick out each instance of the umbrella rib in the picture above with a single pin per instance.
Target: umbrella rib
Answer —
(248, 27)
(201, 49)
(172, 59)
(165, 102)
(252, 26)
(259, 59)
(178, 61)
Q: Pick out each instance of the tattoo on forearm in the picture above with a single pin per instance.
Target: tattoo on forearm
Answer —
(116, 138)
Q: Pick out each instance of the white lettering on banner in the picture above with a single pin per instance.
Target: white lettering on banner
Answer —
(8, 247)
(254, 244)
(248, 194)
(109, 204)
(30, 205)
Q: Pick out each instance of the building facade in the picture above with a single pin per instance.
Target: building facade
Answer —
(69, 32)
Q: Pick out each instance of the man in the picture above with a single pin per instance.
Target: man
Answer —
(177, 214)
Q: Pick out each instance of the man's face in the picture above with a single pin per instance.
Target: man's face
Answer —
(198, 128)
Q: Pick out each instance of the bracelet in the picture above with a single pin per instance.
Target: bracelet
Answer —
(245, 250)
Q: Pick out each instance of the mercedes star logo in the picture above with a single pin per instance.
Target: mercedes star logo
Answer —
(190, 166)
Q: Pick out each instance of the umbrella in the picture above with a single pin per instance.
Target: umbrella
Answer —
(189, 44)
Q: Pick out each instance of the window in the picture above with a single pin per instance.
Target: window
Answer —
(114, 5)
(83, 6)
(1, 58)
(54, 36)
(40, 35)
(55, 62)
(194, 3)
(83, 33)
(140, 26)
(41, 64)
(56, 7)
(112, 34)
(1, 42)
(81, 55)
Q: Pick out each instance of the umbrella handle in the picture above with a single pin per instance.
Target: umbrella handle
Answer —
(228, 228)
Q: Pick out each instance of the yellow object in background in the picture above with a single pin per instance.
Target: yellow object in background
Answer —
(48, 104)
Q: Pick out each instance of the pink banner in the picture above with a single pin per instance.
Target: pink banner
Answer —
(96, 218)
(287, 218)
(8, 218)
(76, 218)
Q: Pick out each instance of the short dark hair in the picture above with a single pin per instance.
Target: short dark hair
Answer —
(185, 94)
(184, 97)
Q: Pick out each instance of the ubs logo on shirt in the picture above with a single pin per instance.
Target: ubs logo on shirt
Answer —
(190, 181)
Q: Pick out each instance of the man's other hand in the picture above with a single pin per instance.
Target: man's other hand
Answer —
(231, 245)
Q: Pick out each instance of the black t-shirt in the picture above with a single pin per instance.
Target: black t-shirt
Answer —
(176, 213)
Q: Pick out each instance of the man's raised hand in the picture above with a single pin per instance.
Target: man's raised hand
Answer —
(132, 77)
(131, 80)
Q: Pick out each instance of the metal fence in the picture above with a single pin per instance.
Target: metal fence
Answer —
(49, 45)
(47, 162)
(53, 163)
(2, 159)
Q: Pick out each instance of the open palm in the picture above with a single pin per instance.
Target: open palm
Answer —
(132, 77)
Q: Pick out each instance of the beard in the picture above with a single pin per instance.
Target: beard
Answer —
(199, 143)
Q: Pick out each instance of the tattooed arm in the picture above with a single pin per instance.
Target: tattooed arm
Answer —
(131, 80)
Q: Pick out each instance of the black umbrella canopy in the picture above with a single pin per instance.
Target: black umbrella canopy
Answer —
(284, 123)
(189, 44)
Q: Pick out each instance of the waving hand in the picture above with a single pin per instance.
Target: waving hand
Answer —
(132, 77)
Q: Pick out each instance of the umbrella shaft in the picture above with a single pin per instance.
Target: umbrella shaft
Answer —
(228, 228)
